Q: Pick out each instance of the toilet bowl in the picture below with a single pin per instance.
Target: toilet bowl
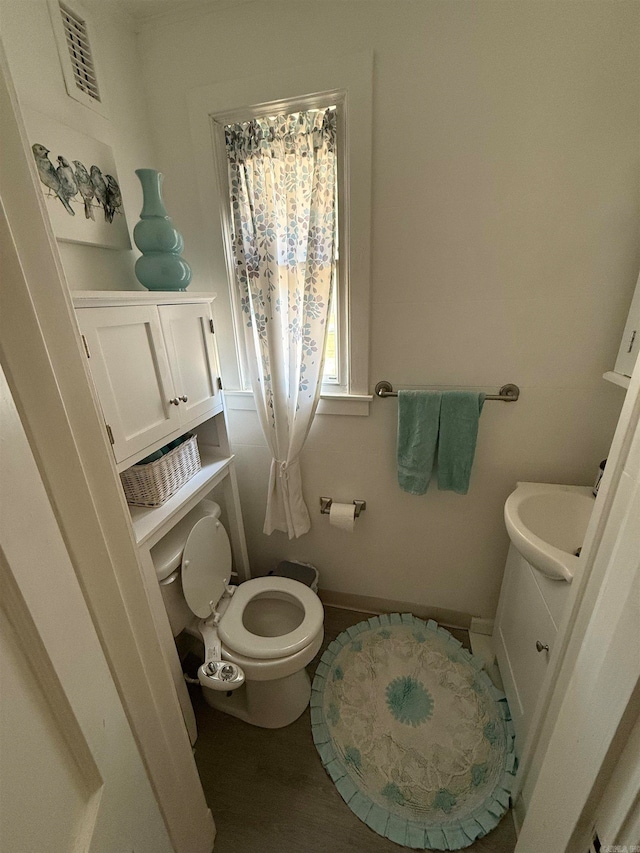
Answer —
(268, 627)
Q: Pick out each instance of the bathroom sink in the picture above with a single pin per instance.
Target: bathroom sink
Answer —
(547, 524)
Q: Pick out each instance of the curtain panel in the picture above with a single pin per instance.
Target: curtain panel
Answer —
(282, 179)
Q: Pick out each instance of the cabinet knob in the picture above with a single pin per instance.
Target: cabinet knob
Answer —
(183, 398)
(175, 401)
(542, 647)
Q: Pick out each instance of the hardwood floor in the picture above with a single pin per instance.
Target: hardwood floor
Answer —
(269, 793)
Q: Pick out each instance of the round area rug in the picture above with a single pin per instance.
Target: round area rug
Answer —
(414, 734)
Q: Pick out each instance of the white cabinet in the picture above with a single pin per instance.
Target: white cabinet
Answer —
(526, 627)
(154, 367)
(153, 362)
(188, 335)
(155, 371)
(130, 370)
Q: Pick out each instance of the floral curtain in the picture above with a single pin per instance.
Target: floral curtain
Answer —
(282, 178)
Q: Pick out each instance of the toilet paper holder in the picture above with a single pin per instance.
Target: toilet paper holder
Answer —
(325, 506)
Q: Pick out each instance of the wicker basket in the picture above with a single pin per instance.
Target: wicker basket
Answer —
(154, 483)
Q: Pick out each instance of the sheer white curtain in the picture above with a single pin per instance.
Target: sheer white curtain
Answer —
(282, 178)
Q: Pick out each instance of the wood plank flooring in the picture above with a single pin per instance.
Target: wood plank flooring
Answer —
(269, 793)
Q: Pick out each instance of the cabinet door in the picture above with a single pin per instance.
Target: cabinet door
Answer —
(129, 367)
(522, 620)
(190, 344)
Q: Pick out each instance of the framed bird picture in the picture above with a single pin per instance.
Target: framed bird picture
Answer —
(79, 183)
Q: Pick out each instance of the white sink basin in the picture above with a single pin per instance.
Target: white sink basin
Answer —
(547, 524)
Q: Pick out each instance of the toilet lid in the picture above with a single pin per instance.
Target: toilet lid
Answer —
(206, 565)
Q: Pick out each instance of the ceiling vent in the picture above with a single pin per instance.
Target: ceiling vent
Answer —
(84, 72)
(72, 28)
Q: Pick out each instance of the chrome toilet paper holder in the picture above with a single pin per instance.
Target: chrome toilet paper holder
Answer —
(325, 506)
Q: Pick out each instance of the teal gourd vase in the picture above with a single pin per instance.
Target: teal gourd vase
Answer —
(160, 267)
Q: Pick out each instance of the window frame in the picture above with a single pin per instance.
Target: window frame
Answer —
(347, 83)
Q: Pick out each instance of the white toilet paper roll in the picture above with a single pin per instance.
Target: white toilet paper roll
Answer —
(342, 516)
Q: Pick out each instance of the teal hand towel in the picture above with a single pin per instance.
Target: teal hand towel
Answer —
(418, 414)
(459, 416)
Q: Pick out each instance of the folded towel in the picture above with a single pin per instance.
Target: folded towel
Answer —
(418, 414)
(459, 415)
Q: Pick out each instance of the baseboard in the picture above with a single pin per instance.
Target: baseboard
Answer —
(481, 626)
(375, 606)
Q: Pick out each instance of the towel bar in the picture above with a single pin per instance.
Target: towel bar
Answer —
(507, 394)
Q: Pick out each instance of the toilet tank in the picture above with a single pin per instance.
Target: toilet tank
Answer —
(167, 559)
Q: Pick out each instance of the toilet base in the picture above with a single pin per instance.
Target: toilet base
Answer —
(268, 704)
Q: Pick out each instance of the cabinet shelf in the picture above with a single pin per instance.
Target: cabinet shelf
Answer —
(150, 524)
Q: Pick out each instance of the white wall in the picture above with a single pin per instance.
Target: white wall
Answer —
(32, 54)
(505, 219)
(505, 215)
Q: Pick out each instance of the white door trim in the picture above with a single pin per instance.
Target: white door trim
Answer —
(40, 351)
(68, 754)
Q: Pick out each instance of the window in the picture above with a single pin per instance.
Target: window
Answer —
(335, 378)
(345, 82)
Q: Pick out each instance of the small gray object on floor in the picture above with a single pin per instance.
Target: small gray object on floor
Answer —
(303, 572)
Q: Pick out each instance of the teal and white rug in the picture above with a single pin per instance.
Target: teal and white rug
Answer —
(414, 734)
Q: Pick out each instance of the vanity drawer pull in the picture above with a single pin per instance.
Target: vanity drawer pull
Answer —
(542, 647)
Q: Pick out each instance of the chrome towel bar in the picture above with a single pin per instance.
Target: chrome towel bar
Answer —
(507, 394)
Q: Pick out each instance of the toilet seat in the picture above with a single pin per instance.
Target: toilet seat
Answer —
(206, 568)
(239, 639)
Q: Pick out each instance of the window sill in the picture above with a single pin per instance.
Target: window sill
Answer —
(330, 404)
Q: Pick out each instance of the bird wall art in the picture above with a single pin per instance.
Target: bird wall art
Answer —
(80, 184)
(97, 189)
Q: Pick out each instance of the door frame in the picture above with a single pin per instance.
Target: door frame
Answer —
(40, 351)
(540, 781)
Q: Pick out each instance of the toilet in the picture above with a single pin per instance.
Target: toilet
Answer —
(258, 636)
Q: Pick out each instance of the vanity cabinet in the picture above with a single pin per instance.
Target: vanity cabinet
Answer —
(155, 370)
(529, 612)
